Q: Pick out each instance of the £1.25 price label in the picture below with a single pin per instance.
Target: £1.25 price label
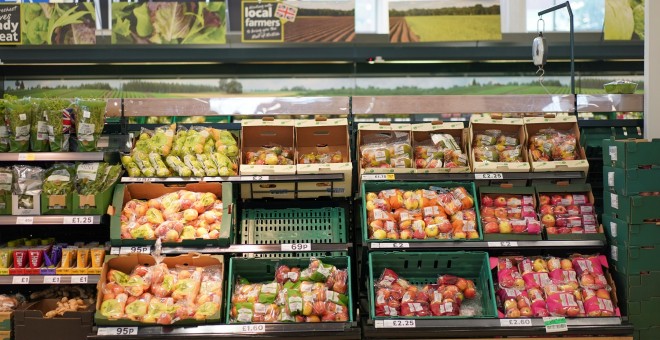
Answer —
(78, 220)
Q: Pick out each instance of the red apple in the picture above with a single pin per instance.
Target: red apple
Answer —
(486, 201)
(444, 226)
(603, 294)
(491, 228)
(432, 231)
(487, 212)
(551, 230)
(405, 234)
(548, 221)
(546, 209)
(489, 219)
(525, 312)
(560, 210)
(500, 201)
(567, 200)
(573, 210)
(544, 199)
(501, 213)
(519, 226)
(556, 199)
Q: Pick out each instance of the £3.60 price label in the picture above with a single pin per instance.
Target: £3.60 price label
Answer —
(78, 220)
(117, 331)
(296, 247)
(516, 322)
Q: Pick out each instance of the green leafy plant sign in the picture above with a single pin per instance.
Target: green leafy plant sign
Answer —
(168, 23)
(58, 24)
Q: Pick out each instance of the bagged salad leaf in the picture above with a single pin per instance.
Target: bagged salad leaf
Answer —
(4, 132)
(27, 179)
(6, 180)
(93, 178)
(58, 122)
(39, 129)
(90, 117)
(58, 180)
(19, 115)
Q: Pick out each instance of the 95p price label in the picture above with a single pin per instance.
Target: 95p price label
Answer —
(516, 322)
(130, 250)
(117, 331)
(296, 247)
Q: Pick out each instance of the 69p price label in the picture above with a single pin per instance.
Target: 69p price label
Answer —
(296, 247)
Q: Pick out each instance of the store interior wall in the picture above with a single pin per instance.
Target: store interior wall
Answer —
(652, 70)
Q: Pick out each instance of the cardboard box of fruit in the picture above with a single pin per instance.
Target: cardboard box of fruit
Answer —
(568, 212)
(418, 212)
(554, 144)
(268, 148)
(497, 144)
(30, 322)
(509, 213)
(199, 214)
(439, 285)
(439, 147)
(385, 148)
(322, 146)
(134, 290)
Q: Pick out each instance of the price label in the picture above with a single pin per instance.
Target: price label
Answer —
(26, 156)
(489, 175)
(117, 331)
(255, 178)
(142, 179)
(614, 253)
(395, 245)
(79, 279)
(516, 322)
(78, 220)
(396, 324)
(25, 220)
(115, 250)
(613, 153)
(130, 250)
(503, 244)
(378, 177)
(256, 328)
(52, 279)
(613, 229)
(614, 198)
(296, 247)
(610, 178)
(20, 280)
(555, 324)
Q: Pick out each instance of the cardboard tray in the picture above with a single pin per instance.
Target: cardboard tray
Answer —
(423, 131)
(384, 128)
(57, 204)
(126, 263)
(507, 125)
(563, 123)
(126, 192)
(30, 324)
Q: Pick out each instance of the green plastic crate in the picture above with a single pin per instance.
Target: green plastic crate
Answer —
(636, 287)
(278, 226)
(651, 333)
(632, 209)
(424, 268)
(631, 153)
(257, 270)
(368, 186)
(644, 314)
(631, 181)
(642, 234)
(630, 259)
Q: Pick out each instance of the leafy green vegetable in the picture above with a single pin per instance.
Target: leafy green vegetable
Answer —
(6, 180)
(170, 22)
(619, 22)
(59, 180)
(39, 129)
(4, 133)
(90, 177)
(638, 15)
(58, 120)
(54, 23)
(90, 116)
(144, 28)
(19, 115)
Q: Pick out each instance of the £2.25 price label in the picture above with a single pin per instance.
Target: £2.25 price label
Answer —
(395, 324)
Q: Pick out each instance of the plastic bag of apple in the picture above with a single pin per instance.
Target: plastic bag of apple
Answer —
(314, 294)
(567, 213)
(540, 287)
(438, 213)
(553, 145)
(441, 151)
(450, 296)
(384, 151)
(505, 214)
(173, 217)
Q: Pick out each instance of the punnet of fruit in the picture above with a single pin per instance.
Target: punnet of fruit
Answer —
(317, 293)
(449, 296)
(567, 213)
(553, 286)
(433, 213)
(509, 213)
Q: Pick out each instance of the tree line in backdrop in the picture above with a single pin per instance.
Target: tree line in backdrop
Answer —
(473, 10)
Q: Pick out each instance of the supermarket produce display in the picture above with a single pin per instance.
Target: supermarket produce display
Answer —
(324, 227)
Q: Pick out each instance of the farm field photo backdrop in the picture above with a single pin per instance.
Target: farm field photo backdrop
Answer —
(444, 20)
(321, 21)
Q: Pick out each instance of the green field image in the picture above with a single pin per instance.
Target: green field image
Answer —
(455, 27)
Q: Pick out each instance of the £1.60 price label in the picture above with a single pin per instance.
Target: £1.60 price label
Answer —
(516, 322)
(296, 247)
(117, 331)
(78, 220)
(256, 328)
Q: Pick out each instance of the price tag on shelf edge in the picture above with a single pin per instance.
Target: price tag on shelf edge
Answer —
(117, 331)
(392, 245)
(395, 324)
(52, 279)
(26, 156)
(555, 324)
(78, 220)
(296, 246)
(255, 178)
(25, 220)
(254, 328)
(130, 250)
(516, 322)
(503, 244)
(20, 280)
(489, 175)
(79, 279)
(378, 177)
